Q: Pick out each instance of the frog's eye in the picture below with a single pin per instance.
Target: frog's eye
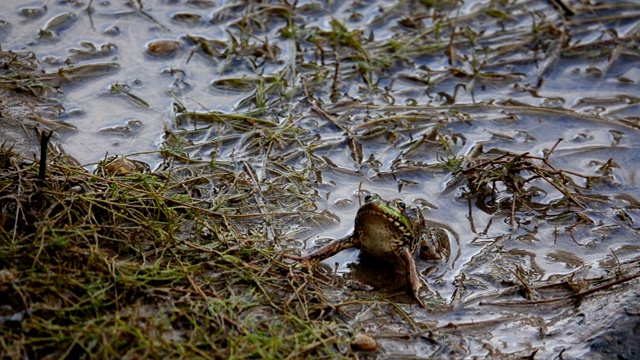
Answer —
(369, 198)
(401, 205)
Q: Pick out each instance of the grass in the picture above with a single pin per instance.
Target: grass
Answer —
(124, 266)
(186, 261)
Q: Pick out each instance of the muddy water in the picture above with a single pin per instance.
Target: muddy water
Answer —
(124, 111)
(525, 79)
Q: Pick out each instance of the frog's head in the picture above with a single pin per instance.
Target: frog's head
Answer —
(384, 224)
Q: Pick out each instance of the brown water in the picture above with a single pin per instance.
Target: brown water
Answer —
(513, 89)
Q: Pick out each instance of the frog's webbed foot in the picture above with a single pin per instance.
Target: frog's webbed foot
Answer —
(413, 279)
(324, 252)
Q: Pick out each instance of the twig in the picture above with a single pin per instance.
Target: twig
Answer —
(44, 142)
(546, 157)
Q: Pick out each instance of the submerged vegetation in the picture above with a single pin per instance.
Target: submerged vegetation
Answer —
(462, 107)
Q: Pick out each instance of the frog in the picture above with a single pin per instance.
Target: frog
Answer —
(388, 231)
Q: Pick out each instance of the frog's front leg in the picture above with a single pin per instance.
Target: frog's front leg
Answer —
(326, 251)
(413, 279)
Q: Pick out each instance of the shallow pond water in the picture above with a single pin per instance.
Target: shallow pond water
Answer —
(375, 96)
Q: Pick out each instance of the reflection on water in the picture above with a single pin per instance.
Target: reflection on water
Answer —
(155, 63)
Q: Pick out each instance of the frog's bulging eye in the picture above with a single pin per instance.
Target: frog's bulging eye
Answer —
(369, 198)
(401, 205)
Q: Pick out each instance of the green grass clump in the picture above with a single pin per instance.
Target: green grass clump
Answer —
(118, 266)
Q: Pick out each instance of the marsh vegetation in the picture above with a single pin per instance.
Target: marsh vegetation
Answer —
(238, 132)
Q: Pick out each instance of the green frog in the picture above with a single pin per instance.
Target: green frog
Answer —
(387, 231)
